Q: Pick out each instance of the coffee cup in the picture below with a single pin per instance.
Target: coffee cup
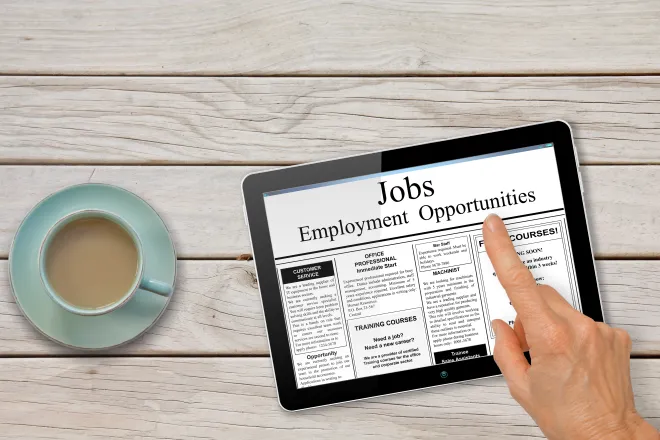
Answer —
(91, 262)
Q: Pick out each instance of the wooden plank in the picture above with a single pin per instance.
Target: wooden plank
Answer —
(203, 398)
(216, 310)
(287, 120)
(306, 37)
(630, 300)
(202, 206)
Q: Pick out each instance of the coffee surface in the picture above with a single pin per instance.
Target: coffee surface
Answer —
(91, 263)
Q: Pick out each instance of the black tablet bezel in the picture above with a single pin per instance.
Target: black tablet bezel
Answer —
(255, 185)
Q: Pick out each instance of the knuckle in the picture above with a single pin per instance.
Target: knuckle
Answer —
(624, 338)
(589, 330)
(518, 278)
(589, 327)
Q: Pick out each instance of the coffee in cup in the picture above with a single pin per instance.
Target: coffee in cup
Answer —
(91, 262)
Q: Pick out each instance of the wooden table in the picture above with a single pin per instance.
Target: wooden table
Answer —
(178, 100)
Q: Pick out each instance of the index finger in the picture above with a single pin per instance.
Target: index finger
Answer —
(513, 275)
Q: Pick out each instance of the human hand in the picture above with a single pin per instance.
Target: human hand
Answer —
(578, 384)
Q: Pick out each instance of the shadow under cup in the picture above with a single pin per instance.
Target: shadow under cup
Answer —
(139, 280)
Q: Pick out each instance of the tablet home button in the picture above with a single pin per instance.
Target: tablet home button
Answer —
(444, 375)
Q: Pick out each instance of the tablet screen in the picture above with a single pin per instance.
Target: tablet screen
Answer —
(388, 272)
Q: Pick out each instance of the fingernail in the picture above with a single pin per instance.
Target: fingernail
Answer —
(492, 222)
(492, 324)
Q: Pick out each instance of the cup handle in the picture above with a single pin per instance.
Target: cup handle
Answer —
(157, 287)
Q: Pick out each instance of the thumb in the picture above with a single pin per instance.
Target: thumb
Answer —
(510, 359)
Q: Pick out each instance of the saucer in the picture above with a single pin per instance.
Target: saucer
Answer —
(91, 332)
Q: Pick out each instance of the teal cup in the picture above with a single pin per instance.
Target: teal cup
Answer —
(140, 283)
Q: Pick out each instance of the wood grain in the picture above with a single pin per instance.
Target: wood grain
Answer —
(159, 37)
(216, 310)
(203, 398)
(202, 206)
(289, 120)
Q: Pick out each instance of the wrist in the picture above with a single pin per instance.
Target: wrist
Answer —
(633, 427)
(643, 430)
(636, 428)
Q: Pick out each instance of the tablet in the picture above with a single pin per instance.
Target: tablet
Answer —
(372, 269)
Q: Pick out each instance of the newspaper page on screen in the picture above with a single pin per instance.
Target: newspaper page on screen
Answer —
(388, 272)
